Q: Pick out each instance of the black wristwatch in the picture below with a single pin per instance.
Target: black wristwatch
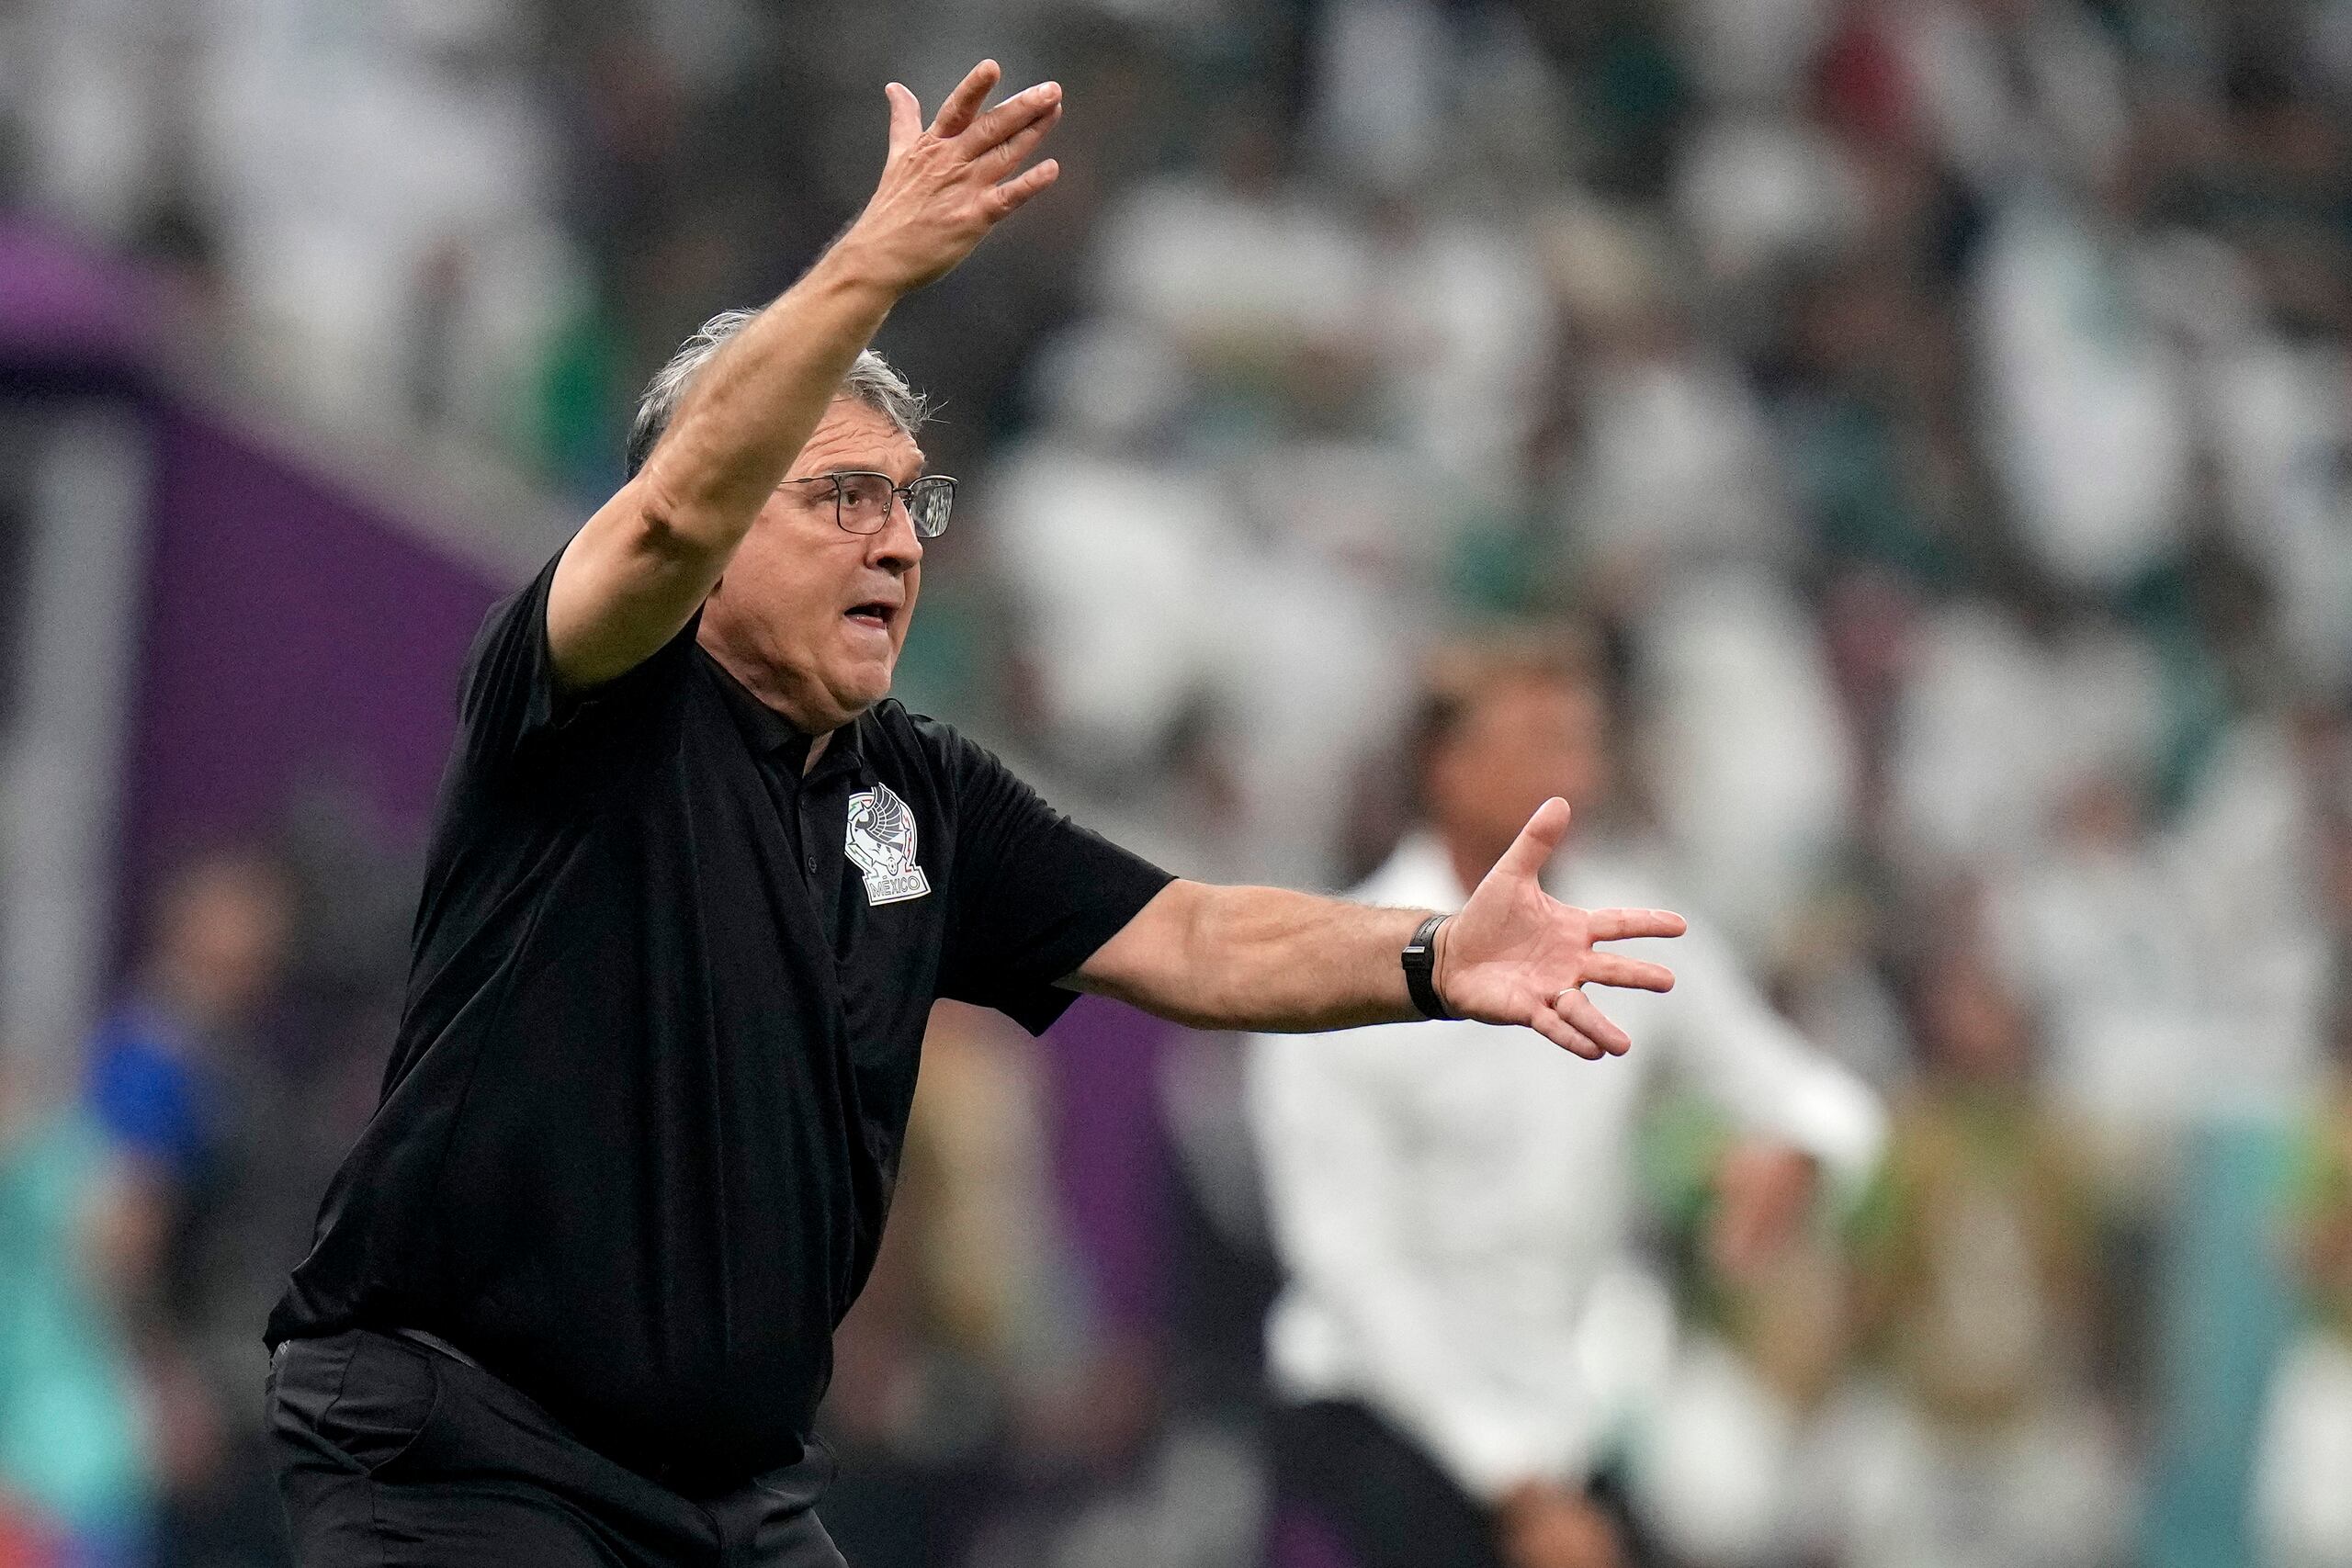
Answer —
(1421, 969)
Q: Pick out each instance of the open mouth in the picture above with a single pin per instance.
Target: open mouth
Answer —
(874, 614)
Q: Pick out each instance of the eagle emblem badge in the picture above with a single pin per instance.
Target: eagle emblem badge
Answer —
(882, 845)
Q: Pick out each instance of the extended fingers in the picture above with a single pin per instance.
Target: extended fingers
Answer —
(1564, 1034)
(965, 102)
(906, 117)
(1636, 974)
(1013, 115)
(1576, 1008)
(1015, 152)
(1533, 850)
(1616, 925)
(1002, 198)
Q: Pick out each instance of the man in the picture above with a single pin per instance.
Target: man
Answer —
(190, 1085)
(1448, 1205)
(571, 1295)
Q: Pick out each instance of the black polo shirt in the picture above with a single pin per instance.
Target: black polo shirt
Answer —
(666, 998)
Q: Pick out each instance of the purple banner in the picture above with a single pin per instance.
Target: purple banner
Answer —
(294, 639)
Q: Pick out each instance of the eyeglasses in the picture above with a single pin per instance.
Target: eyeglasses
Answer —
(862, 501)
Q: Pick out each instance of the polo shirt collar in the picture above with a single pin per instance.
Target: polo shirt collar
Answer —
(773, 735)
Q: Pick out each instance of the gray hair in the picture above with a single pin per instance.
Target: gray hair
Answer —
(871, 381)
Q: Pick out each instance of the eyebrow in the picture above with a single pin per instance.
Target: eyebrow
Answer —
(923, 470)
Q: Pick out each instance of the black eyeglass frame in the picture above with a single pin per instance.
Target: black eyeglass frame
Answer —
(904, 494)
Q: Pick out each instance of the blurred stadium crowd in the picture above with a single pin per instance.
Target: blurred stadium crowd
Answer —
(1938, 412)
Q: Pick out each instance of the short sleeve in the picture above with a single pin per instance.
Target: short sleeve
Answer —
(149, 1099)
(511, 711)
(1033, 896)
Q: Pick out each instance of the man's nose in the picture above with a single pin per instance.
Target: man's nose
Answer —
(897, 546)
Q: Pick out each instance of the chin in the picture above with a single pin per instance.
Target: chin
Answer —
(861, 690)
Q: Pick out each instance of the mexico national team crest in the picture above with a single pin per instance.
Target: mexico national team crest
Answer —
(882, 845)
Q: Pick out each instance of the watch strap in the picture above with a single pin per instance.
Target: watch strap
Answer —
(1419, 959)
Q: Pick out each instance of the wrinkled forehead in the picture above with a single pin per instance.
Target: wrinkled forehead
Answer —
(855, 435)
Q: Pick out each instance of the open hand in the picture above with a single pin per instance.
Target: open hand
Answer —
(943, 188)
(1516, 954)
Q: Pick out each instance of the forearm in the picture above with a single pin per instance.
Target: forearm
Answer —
(1259, 958)
(1263, 959)
(633, 575)
(639, 568)
(752, 407)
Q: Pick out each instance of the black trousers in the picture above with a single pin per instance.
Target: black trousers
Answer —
(1389, 1502)
(391, 1455)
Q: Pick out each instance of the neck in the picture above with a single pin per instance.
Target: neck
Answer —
(776, 691)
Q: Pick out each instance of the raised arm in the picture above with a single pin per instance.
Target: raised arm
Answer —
(636, 573)
(1261, 958)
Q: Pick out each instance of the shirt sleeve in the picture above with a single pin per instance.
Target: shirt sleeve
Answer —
(1754, 1065)
(514, 717)
(148, 1100)
(1034, 894)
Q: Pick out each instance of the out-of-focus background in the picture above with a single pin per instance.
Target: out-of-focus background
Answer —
(1938, 413)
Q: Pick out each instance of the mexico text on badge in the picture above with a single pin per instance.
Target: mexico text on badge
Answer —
(882, 845)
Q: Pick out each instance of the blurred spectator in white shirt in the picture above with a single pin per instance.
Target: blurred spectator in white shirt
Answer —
(2095, 934)
(1463, 1333)
(1107, 549)
(1239, 268)
(2089, 422)
(2282, 415)
(2250, 847)
(1159, 590)
(2014, 89)
(1751, 765)
(1379, 82)
(1676, 463)
(1458, 307)
(1998, 726)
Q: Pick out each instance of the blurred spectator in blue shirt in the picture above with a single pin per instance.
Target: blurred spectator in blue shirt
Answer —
(176, 1081)
(156, 1065)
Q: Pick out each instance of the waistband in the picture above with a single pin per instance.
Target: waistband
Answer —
(797, 1485)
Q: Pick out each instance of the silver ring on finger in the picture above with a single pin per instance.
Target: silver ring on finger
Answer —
(1563, 991)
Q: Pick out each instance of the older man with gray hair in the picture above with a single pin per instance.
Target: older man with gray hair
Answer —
(572, 1295)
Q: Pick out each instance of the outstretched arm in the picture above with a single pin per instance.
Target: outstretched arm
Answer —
(1265, 959)
(633, 575)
